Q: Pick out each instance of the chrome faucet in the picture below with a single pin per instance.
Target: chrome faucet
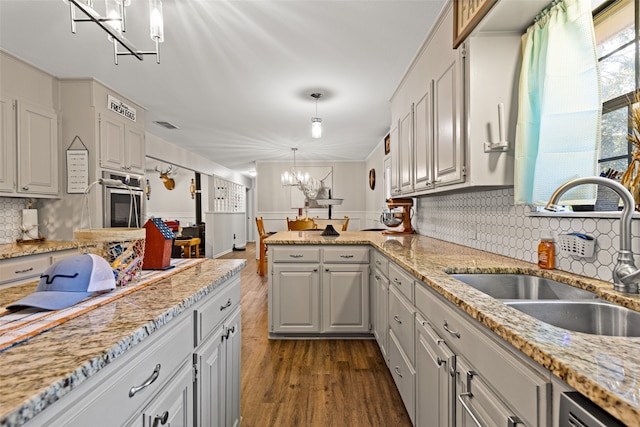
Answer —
(626, 276)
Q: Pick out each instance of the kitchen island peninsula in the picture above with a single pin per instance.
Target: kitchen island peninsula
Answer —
(134, 359)
(528, 359)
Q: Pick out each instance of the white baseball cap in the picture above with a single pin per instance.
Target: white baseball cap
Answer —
(69, 281)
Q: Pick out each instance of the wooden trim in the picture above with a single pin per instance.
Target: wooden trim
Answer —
(466, 16)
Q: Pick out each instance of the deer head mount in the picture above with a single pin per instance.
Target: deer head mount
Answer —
(165, 176)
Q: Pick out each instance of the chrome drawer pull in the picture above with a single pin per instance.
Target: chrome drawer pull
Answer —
(227, 305)
(346, 256)
(147, 383)
(296, 255)
(446, 328)
(378, 262)
(513, 420)
(26, 270)
(439, 361)
(397, 371)
(397, 319)
(161, 419)
(468, 409)
(396, 281)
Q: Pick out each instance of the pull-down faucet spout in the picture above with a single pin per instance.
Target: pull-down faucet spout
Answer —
(626, 275)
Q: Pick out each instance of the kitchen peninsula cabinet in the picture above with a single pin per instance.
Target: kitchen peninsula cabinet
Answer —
(319, 290)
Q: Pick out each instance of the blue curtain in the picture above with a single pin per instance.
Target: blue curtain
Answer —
(559, 107)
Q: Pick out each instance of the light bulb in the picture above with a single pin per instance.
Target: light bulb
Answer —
(316, 127)
(156, 24)
(113, 10)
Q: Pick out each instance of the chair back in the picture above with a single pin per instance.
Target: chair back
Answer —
(300, 224)
(338, 224)
(260, 225)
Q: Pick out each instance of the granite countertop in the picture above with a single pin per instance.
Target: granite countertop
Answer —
(605, 369)
(38, 372)
(14, 250)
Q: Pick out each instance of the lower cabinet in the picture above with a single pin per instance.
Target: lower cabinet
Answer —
(185, 374)
(319, 290)
(27, 268)
(380, 315)
(217, 364)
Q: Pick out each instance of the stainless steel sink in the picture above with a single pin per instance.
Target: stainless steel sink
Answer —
(523, 286)
(589, 317)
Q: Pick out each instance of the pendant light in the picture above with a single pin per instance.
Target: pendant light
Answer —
(316, 122)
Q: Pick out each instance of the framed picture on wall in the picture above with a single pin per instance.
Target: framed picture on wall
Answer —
(387, 144)
(466, 15)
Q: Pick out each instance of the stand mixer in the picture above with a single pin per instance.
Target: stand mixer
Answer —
(394, 218)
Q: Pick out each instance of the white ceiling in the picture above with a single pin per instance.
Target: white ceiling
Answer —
(236, 76)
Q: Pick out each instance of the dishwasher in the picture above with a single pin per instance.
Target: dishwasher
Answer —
(578, 411)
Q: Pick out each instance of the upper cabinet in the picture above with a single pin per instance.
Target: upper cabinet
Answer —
(446, 109)
(29, 149)
(121, 145)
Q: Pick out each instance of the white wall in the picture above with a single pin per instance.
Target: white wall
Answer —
(175, 204)
(375, 199)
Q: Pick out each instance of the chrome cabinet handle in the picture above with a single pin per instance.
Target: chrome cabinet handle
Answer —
(346, 256)
(161, 419)
(326, 269)
(227, 305)
(397, 371)
(378, 262)
(25, 188)
(468, 409)
(296, 255)
(397, 319)
(396, 281)
(230, 331)
(147, 383)
(439, 361)
(454, 333)
(513, 420)
(377, 277)
(26, 270)
(315, 269)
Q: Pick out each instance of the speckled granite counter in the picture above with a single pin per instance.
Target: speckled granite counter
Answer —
(14, 250)
(38, 372)
(605, 369)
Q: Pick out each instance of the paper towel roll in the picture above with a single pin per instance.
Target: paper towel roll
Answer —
(29, 224)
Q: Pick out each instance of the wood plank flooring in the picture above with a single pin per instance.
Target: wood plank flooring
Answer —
(309, 382)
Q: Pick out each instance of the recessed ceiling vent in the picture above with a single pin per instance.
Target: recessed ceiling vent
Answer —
(166, 125)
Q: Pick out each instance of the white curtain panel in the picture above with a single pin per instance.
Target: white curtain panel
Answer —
(559, 108)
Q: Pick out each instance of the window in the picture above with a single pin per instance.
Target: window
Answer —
(618, 48)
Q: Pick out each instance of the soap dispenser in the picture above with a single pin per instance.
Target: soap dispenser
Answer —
(546, 251)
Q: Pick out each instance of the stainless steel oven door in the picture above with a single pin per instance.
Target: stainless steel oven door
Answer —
(123, 207)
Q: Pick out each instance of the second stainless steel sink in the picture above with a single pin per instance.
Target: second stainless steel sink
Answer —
(589, 317)
(522, 286)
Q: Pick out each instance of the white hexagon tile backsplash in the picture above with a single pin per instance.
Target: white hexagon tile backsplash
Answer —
(11, 218)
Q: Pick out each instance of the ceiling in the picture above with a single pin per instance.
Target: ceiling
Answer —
(236, 76)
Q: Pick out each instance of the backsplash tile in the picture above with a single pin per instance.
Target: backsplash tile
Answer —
(11, 218)
(489, 220)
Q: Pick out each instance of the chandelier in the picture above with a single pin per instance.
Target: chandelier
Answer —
(114, 23)
(312, 188)
(316, 122)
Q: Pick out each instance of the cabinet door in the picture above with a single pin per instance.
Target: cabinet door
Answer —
(233, 337)
(173, 405)
(447, 143)
(134, 149)
(381, 314)
(210, 360)
(435, 370)
(296, 298)
(37, 150)
(395, 161)
(7, 145)
(112, 147)
(423, 141)
(406, 152)
(345, 298)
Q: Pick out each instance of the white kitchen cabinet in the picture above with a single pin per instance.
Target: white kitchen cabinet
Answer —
(435, 378)
(173, 406)
(121, 145)
(319, 290)
(218, 375)
(423, 141)
(403, 375)
(394, 144)
(7, 145)
(27, 268)
(380, 303)
(29, 148)
(406, 152)
(345, 298)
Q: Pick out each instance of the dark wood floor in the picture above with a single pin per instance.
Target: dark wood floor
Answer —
(309, 382)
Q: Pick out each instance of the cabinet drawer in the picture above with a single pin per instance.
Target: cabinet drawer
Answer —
(112, 404)
(23, 267)
(346, 254)
(212, 313)
(294, 254)
(403, 374)
(525, 389)
(402, 280)
(381, 263)
(401, 321)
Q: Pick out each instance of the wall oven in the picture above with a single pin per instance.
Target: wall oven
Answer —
(123, 204)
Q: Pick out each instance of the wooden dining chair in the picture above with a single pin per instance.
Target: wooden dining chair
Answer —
(262, 261)
(300, 224)
(345, 224)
